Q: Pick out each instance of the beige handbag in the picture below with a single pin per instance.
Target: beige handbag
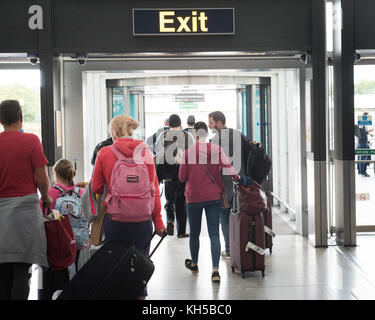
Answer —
(224, 200)
(97, 226)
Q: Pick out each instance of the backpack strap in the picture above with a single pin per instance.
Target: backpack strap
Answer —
(62, 191)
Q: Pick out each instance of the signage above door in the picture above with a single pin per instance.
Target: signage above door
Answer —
(159, 22)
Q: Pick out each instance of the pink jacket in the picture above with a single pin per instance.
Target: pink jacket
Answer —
(199, 186)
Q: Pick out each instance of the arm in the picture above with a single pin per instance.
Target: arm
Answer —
(226, 165)
(159, 143)
(98, 179)
(156, 213)
(42, 182)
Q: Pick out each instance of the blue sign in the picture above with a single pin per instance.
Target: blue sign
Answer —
(365, 123)
(149, 22)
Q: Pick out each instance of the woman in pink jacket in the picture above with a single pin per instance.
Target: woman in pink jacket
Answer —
(201, 170)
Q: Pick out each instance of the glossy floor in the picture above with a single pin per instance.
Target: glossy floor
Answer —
(295, 270)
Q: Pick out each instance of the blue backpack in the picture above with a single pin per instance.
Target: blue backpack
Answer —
(69, 203)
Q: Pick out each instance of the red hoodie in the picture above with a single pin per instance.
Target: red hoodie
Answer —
(106, 160)
(199, 186)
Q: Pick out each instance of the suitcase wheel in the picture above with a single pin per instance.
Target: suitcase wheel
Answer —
(243, 275)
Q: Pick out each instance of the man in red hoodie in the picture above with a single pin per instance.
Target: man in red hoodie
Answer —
(136, 233)
(201, 170)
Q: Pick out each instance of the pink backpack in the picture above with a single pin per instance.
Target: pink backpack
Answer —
(131, 195)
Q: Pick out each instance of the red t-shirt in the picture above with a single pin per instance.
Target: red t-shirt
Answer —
(20, 154)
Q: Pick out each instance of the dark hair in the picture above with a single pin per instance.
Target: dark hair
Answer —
(190, 120)
(10, 112)
(200, 129)
(65, 169)
(174, 121)
(217, 116)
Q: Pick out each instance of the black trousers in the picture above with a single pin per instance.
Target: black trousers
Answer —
(176, 204)
(54, 280)
(14, 281)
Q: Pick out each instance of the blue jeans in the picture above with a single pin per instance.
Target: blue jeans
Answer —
(362, 166)
(224, 219)
(194, 213)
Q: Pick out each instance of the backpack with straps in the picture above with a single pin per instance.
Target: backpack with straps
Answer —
(253, 156)
(70, 203)
(258, 163)
(165, 169)
(131, 194)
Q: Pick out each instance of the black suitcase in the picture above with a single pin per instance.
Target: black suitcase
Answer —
(117, 271)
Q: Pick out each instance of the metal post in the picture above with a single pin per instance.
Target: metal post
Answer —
(343, 50)
(49, 87)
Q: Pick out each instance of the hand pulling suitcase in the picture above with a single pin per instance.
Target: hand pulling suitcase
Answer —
(117, 271)
(246, 231)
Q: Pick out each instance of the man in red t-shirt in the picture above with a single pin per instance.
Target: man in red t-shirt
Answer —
(22, 235)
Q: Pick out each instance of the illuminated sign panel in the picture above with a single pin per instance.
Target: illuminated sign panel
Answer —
(148, 22)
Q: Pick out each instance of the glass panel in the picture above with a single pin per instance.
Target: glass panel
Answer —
(118, 101)
(256, 114)
(24, 86)
(364, 103)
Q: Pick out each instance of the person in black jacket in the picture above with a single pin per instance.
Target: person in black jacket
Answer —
(363, 143)
(100, 145)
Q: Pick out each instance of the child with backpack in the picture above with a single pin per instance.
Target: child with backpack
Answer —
(133, 207)
(66, 198)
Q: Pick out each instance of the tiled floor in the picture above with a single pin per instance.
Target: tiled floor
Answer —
(295, 270)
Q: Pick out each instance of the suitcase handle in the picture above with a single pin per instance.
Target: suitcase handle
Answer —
(149, 243)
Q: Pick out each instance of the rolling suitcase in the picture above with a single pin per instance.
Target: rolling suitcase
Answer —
(246, 229)
(246, 242)
(117, 271)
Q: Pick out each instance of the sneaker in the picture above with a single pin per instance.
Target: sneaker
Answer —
(366, 175)
(170, 228)
(225, 255)
(215, 277)
(186, 235)
(193, 269)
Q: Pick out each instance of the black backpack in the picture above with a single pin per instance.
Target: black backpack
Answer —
(257, 162)
(163, 169)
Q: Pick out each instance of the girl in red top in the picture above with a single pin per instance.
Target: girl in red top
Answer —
(136, 233)
(64, 174)
(202, 163)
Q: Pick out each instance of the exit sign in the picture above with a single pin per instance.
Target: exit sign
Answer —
(194, 21)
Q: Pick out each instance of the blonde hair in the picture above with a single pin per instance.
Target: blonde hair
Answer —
(64, 168)
(122, 125)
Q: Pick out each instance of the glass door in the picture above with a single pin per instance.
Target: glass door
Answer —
(364, 117)
(257, 119)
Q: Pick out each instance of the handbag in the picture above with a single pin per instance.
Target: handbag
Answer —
(61, 245)
(224, 200)
(250, 199)
(97, 226)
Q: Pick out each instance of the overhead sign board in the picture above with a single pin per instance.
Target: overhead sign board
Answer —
(194, 21)
(188, 97)
(365, 120)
